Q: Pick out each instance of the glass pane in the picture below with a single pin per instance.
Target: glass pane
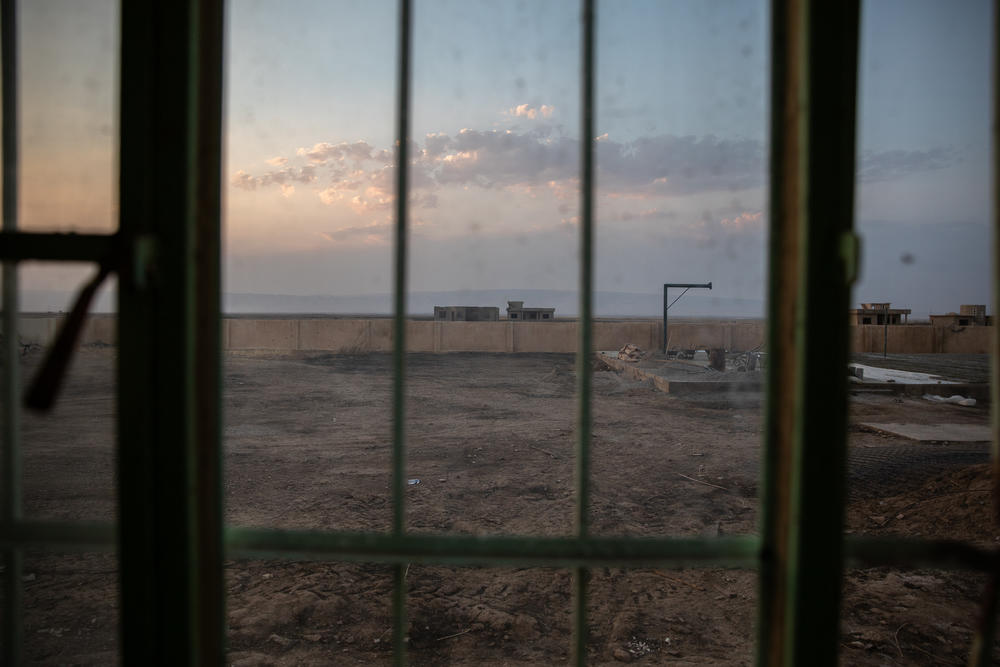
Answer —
(308, 613)
(68, 451)
(918, 457)
(68, 99)
(309, 153)
(493, 278)
(473, 616)
(666, 617)
(681, 170)
(920, 323)
(307, 274)
(913, 617)
(71, 609)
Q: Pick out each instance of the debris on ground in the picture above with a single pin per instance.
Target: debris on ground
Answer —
(957, 399)
(630, 352)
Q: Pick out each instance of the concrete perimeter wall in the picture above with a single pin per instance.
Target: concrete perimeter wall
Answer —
(375, 335)
(916, 338)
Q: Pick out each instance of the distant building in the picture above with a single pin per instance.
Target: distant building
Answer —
(517, 311)
(878, 313)
(466, 313)
(967, 316)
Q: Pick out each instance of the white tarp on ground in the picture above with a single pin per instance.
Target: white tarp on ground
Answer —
(876, 374)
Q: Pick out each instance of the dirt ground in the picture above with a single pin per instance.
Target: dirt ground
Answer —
(307, 444)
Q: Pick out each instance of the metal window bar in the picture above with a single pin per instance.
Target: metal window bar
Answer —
(13, 628)
(169, 501)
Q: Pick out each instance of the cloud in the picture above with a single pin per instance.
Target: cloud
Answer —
(323, 152)
(277, 161)
(543, 159)
(282, 177)
(644, 214)
(889, 165)
(530, 112)
(374, 233)
(244, 181)
(680, 165)
(744, 220)
(436, 144)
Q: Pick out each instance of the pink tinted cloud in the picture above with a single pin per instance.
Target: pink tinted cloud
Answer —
(531, 112)
(744, 220)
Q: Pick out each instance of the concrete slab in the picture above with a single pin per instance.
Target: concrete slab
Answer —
(935, 432)
(876, 374)
(683, 377)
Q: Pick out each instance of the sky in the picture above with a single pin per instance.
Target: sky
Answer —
(681, 145)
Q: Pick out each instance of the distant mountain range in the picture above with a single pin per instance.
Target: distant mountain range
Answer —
(606, 304)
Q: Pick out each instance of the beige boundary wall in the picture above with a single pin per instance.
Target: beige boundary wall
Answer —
(916, 338)
(375, 335)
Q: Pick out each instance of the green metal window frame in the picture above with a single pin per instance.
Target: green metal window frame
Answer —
(170, 537)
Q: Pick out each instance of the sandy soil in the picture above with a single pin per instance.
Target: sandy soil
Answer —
(490, 438)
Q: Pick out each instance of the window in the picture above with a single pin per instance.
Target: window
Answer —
(172, 541)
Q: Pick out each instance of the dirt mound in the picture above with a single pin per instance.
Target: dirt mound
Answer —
(952, 505)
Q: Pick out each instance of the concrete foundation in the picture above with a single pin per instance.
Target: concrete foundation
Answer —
(935, 432)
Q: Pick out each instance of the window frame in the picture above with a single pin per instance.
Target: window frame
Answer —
(170, 537)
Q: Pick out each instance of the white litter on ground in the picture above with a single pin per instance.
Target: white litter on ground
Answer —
(876, 374)
(955, 398)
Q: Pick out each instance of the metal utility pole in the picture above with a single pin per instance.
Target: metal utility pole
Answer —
(666, 304)
(885, 331)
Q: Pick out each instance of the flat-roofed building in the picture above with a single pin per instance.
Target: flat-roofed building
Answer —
(466, 313)
(968, 315)
(879, 313)
(517, 311)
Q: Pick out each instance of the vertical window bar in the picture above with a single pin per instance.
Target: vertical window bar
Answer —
(399, 328)
(584, 324)
(982, 645)
(206, 110)
(13, 626)
(812, 193)
(784, 204)
(829, 258)
(169, 549)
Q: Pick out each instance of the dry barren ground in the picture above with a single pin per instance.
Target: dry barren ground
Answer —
(307, 445)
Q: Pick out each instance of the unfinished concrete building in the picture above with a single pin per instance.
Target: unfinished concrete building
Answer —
(517, 311)
(968, 315)
(879, 313)
(466, 313)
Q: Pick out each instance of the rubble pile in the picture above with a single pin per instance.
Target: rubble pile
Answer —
(630, 353)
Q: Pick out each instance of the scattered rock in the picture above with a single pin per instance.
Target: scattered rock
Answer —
(621, 655)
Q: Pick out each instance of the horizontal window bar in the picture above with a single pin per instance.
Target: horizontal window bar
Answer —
(730, 551)
(735, 551)
(19, 246)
